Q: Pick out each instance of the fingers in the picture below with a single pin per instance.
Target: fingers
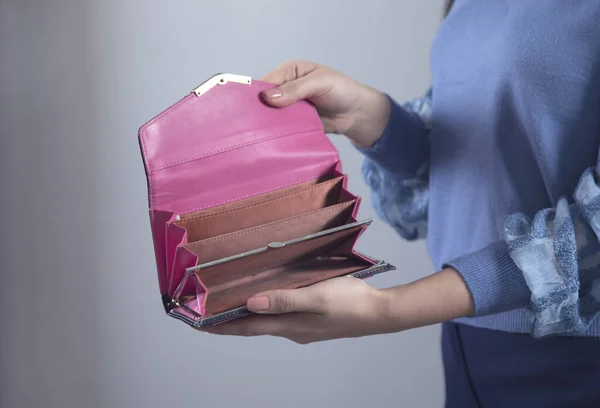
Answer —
(305, 87)
(288, 71)
(294, 327)
(287, 301)
(296, 80)
(250, 326)
(290, 326)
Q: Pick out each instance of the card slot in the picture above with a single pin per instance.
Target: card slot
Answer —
(226, 245)
(230, 284)
(265, 209)
(256, 198)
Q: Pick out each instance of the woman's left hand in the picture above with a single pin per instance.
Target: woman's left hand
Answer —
(337, 308)
(349, 307)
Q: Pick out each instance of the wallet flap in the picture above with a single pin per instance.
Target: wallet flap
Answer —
(189, 149)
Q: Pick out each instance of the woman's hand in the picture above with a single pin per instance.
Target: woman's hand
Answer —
(344, 105)
(337, 308)
(349, 307)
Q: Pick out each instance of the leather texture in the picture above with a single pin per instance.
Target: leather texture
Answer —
(227, 174)
(224, 146)
(271, 207)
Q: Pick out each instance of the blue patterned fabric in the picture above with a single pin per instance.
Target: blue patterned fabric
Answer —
(558, 251)
(402, 201)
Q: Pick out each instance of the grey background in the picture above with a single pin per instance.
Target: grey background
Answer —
(81, 320)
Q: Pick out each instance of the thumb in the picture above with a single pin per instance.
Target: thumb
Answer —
(290, 92)
(285, 301)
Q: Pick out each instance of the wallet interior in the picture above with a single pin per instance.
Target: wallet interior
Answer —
(287, 214)
(263, 209)
(229, 285)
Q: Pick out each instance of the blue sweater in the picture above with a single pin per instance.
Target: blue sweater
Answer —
(497, 164)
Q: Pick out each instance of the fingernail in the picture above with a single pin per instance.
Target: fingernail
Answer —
(258, 303)
(273, 93)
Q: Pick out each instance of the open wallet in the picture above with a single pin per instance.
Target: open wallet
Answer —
(245, 198)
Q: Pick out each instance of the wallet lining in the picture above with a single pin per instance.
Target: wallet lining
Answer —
(319, 193)
(237, 242)
(257, 199)
(278, 216)
(229, 285)
(262, 210)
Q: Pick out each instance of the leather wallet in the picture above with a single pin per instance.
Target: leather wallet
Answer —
(245, 198)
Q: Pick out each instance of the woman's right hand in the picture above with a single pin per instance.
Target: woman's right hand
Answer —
(345, 106)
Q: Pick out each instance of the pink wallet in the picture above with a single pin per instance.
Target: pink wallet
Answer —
(245, 198)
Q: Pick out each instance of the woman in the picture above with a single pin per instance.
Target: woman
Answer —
(496, 165)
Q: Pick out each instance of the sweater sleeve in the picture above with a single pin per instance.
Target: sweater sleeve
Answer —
(396, 168)
(549, 264)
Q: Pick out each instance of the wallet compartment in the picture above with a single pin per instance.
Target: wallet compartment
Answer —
(229, 285)
(263, 209)
(226, 245)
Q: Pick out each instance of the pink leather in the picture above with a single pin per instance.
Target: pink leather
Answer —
(224, 146)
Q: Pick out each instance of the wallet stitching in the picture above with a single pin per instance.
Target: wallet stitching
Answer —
(159, 117)
(173, 108)
(228, 212)
(233, 147)
(255, 229)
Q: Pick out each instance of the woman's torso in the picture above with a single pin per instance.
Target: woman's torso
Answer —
(515, 115)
